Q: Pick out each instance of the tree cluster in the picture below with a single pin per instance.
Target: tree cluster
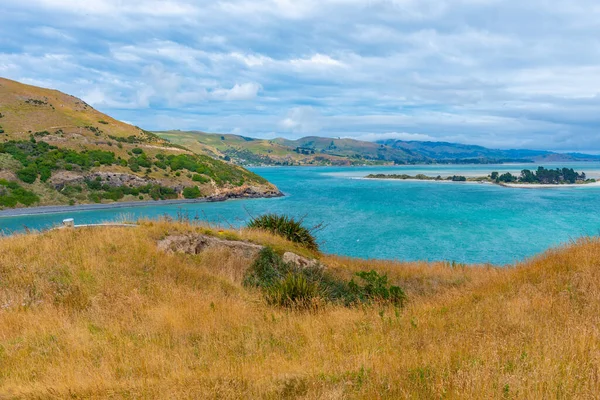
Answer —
(541, 176)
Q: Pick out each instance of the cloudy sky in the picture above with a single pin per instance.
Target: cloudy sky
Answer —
(500, 73)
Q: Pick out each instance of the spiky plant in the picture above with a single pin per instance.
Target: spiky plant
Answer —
(286, 227)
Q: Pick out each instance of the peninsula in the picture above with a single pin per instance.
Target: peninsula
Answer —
(56, 150)
(528, 178)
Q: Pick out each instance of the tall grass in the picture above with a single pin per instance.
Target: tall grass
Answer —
(101, 313)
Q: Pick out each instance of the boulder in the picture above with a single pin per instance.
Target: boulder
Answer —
(299, 261)
(197, 243)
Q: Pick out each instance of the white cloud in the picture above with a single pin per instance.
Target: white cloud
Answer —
(495, 72)
(316, 61)
(245, 91)
(302, 120)
(252, 60)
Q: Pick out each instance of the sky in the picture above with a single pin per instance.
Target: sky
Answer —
(498, 73)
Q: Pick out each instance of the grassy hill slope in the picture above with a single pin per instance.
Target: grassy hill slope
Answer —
(56, 149)
(314, 150)
(101, 312)
(450, 152)
(249, 151)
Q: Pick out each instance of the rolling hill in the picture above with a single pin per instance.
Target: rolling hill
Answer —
(56, 149)
(103, 312)
(450, 152)
(314, 150)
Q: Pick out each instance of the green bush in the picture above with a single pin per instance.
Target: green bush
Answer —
(137, 150)
(133, 164)
(289, 286)
(286, 227)
(11, 194)
(192, 192)
(266, 270)
(200, 178)
(27, 174)
(374, 287)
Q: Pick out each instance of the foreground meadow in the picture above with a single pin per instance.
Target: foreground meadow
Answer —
(103, 313)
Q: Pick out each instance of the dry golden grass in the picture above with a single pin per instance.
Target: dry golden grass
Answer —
(101, 313)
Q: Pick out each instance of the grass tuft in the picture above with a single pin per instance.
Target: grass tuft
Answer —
(286, 227)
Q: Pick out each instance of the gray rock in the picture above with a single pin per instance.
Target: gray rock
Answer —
(299, 261)
(197, 243)
(115, 179)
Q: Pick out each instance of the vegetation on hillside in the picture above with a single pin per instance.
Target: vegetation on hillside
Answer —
(62, 150)
(39, 161)
(12, 194)
(314, 150)
(310, 287)
(101, 312)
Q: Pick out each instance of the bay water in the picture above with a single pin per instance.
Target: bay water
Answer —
(403, 220)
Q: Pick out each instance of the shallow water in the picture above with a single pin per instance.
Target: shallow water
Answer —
(406, 220)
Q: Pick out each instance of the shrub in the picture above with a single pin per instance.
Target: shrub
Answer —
(200, 178)
(375, 288)
(286, 227)
(289, 286)
(137, 150)
(11, 194)
(133, 164)
(266, 270)
(293, 291)
(191, 192)
(27, 174)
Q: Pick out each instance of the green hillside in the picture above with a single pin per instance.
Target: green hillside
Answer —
(306, 151)
(314, 150)
(56, 149)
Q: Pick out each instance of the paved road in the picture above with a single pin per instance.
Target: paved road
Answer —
(86, 207)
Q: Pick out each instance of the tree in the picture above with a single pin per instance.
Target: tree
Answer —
(528, 176)
(507, 178)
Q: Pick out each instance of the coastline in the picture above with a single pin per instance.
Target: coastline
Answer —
(507, 185)
(548, 186)
(61, 209)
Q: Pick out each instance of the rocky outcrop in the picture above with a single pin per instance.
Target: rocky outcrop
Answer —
(197, 243)
(299, 261)
(246, 192)
(61, 179)
(116, 179)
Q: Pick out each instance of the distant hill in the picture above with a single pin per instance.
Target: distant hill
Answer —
(449, 152)
(314, 150)
(308, 151)
(56, 149)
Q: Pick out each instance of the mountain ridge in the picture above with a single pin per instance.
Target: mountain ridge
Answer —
(315, 150)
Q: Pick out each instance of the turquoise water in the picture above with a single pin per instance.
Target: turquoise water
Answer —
(462, 222)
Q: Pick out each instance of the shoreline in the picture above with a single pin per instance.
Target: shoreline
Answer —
(507, 185)
(63, 209)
